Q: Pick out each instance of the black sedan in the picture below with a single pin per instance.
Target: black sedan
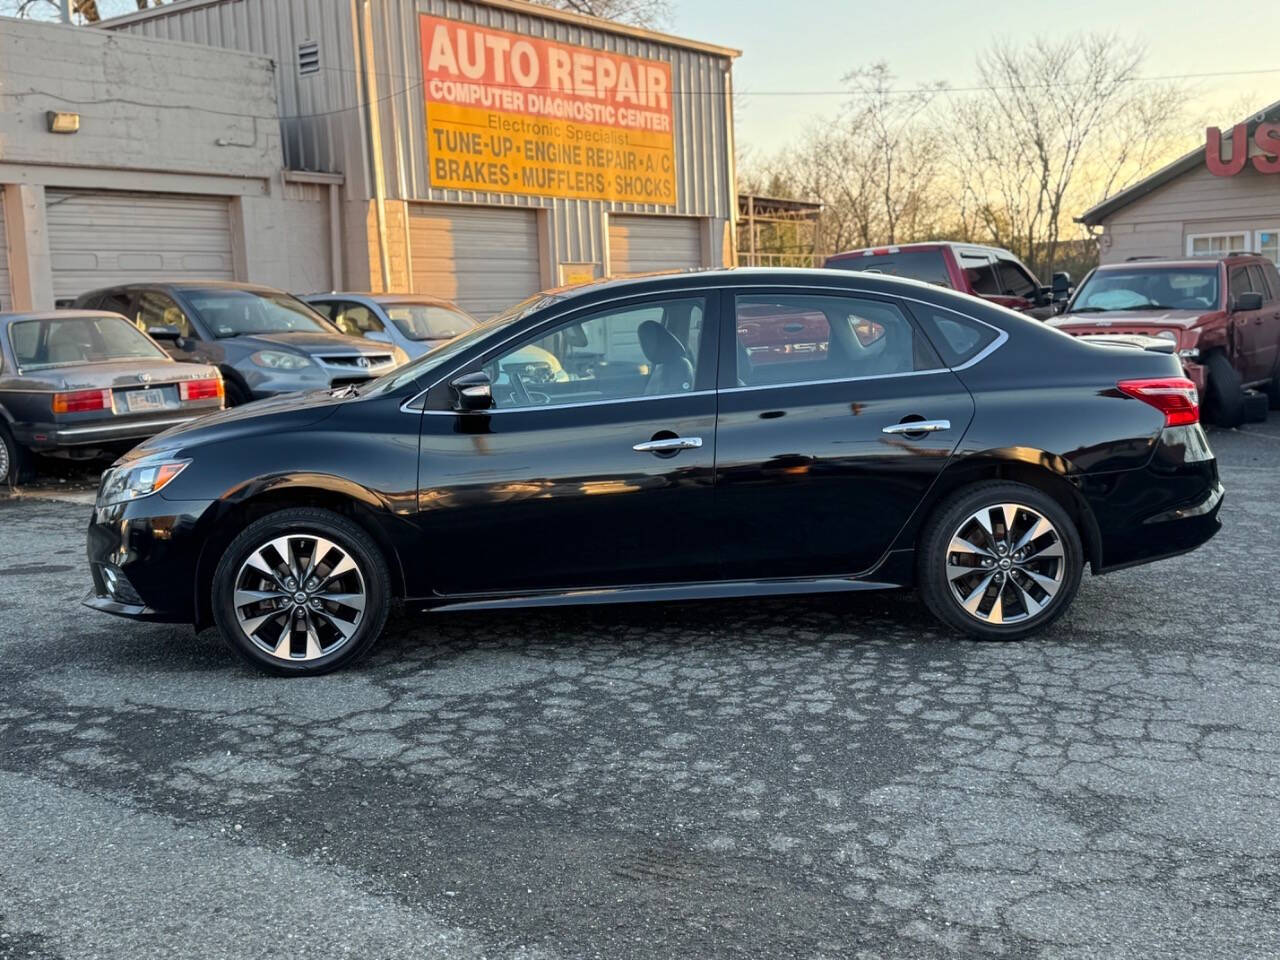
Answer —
(715, 434)
(75, 383)
(265, 342)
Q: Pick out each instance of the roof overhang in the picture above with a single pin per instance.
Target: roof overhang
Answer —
(1184, 164)
(516, 6)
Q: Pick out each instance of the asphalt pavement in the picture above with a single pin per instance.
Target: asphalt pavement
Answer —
(818, 778)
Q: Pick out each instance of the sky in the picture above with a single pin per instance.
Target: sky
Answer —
(810, 44)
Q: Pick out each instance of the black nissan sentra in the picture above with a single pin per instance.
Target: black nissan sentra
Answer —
(702, 435)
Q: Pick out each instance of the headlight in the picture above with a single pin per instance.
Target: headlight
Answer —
(1191, 354)
(1167, 335)
(125, 483)
(278, 360)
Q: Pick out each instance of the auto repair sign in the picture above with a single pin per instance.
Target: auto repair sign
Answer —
(507, 113)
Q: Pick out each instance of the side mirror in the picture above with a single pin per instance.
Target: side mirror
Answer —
(472, 392)
(1246, 301)
(1061, 286)
(164, 332)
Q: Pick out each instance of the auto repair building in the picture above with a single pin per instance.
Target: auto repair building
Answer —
(479, 151)
(1222, 196)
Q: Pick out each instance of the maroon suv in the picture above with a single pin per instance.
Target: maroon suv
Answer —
(987, 272)
(1222, 316)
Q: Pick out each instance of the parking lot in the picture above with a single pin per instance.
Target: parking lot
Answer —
(804, 777)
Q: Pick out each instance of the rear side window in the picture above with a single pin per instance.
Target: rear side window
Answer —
(785, 339)
(958, 338)
(926, 265)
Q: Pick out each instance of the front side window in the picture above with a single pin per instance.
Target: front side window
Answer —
(1259, 282)
(1238, 282)
(235, 313)
(1148, 288)
(619, 354)
(1016, 281)
(66, 341)
(981, 272)
(159, 310)
(355, 320)
(786, 339)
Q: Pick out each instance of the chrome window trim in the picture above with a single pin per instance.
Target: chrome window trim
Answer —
(815, 383)
(564, 406)
(1001, 337)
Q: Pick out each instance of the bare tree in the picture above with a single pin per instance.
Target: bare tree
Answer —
(82, 11)
(1051, 118)
(654, 14)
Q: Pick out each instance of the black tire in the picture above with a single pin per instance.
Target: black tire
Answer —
(15, 461)
(304, 524)
(951, 517)
(1224, 392)
(233, 395)
(1272, 390)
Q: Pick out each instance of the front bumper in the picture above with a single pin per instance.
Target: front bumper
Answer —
(143, 557)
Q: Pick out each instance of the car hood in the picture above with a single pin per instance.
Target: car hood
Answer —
(288, 411)
(314, 343)
(116, 374)
(1129, 318)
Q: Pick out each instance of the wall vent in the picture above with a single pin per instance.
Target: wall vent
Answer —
(308, 58)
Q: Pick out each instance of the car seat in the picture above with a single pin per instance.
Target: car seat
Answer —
(672, 369)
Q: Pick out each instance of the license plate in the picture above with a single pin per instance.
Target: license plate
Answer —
(140, 401)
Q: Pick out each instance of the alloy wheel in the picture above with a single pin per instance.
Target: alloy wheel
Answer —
(299, 597)
(1005, 563)
(5, 463)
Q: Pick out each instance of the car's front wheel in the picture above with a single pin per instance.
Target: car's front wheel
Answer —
(301, 592)
(999, 560)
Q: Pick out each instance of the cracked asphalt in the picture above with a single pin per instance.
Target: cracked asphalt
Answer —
(831, 777)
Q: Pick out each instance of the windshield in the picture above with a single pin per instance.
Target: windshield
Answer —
(65, 341)
(441, 355)
(1189, 288)
(235, 313)
(428, 321)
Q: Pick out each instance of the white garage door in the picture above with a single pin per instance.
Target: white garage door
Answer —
(6, 299)
(482, 258)
(99, 238)
(646, 244)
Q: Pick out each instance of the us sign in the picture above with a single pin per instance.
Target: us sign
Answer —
(1266, 138)
(507, 113)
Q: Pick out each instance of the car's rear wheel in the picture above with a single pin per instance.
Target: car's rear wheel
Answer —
(999, 560)
(14, 459)
(232, 394)
(1224, 392)
(1273, 391)
(301, 592)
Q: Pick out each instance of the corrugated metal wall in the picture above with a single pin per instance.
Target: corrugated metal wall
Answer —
(323, 114)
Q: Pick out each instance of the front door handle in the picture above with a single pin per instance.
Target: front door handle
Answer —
(918, 426)
(668, 445)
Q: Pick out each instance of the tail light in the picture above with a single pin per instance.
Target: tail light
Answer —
(1175, 397)
(82, 401)
(200, 389)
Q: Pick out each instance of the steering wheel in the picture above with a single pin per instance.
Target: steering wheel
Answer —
(521, 392)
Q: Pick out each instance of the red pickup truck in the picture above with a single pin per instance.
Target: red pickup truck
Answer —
(1221, 314)
(987, 272)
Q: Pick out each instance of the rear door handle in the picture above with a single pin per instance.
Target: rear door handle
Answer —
(668, 445)
(918, 426)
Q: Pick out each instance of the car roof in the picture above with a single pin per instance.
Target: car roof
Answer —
(1175, 263)
(186, 285)
(382, 297)
(924, 245)
(57, 315)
